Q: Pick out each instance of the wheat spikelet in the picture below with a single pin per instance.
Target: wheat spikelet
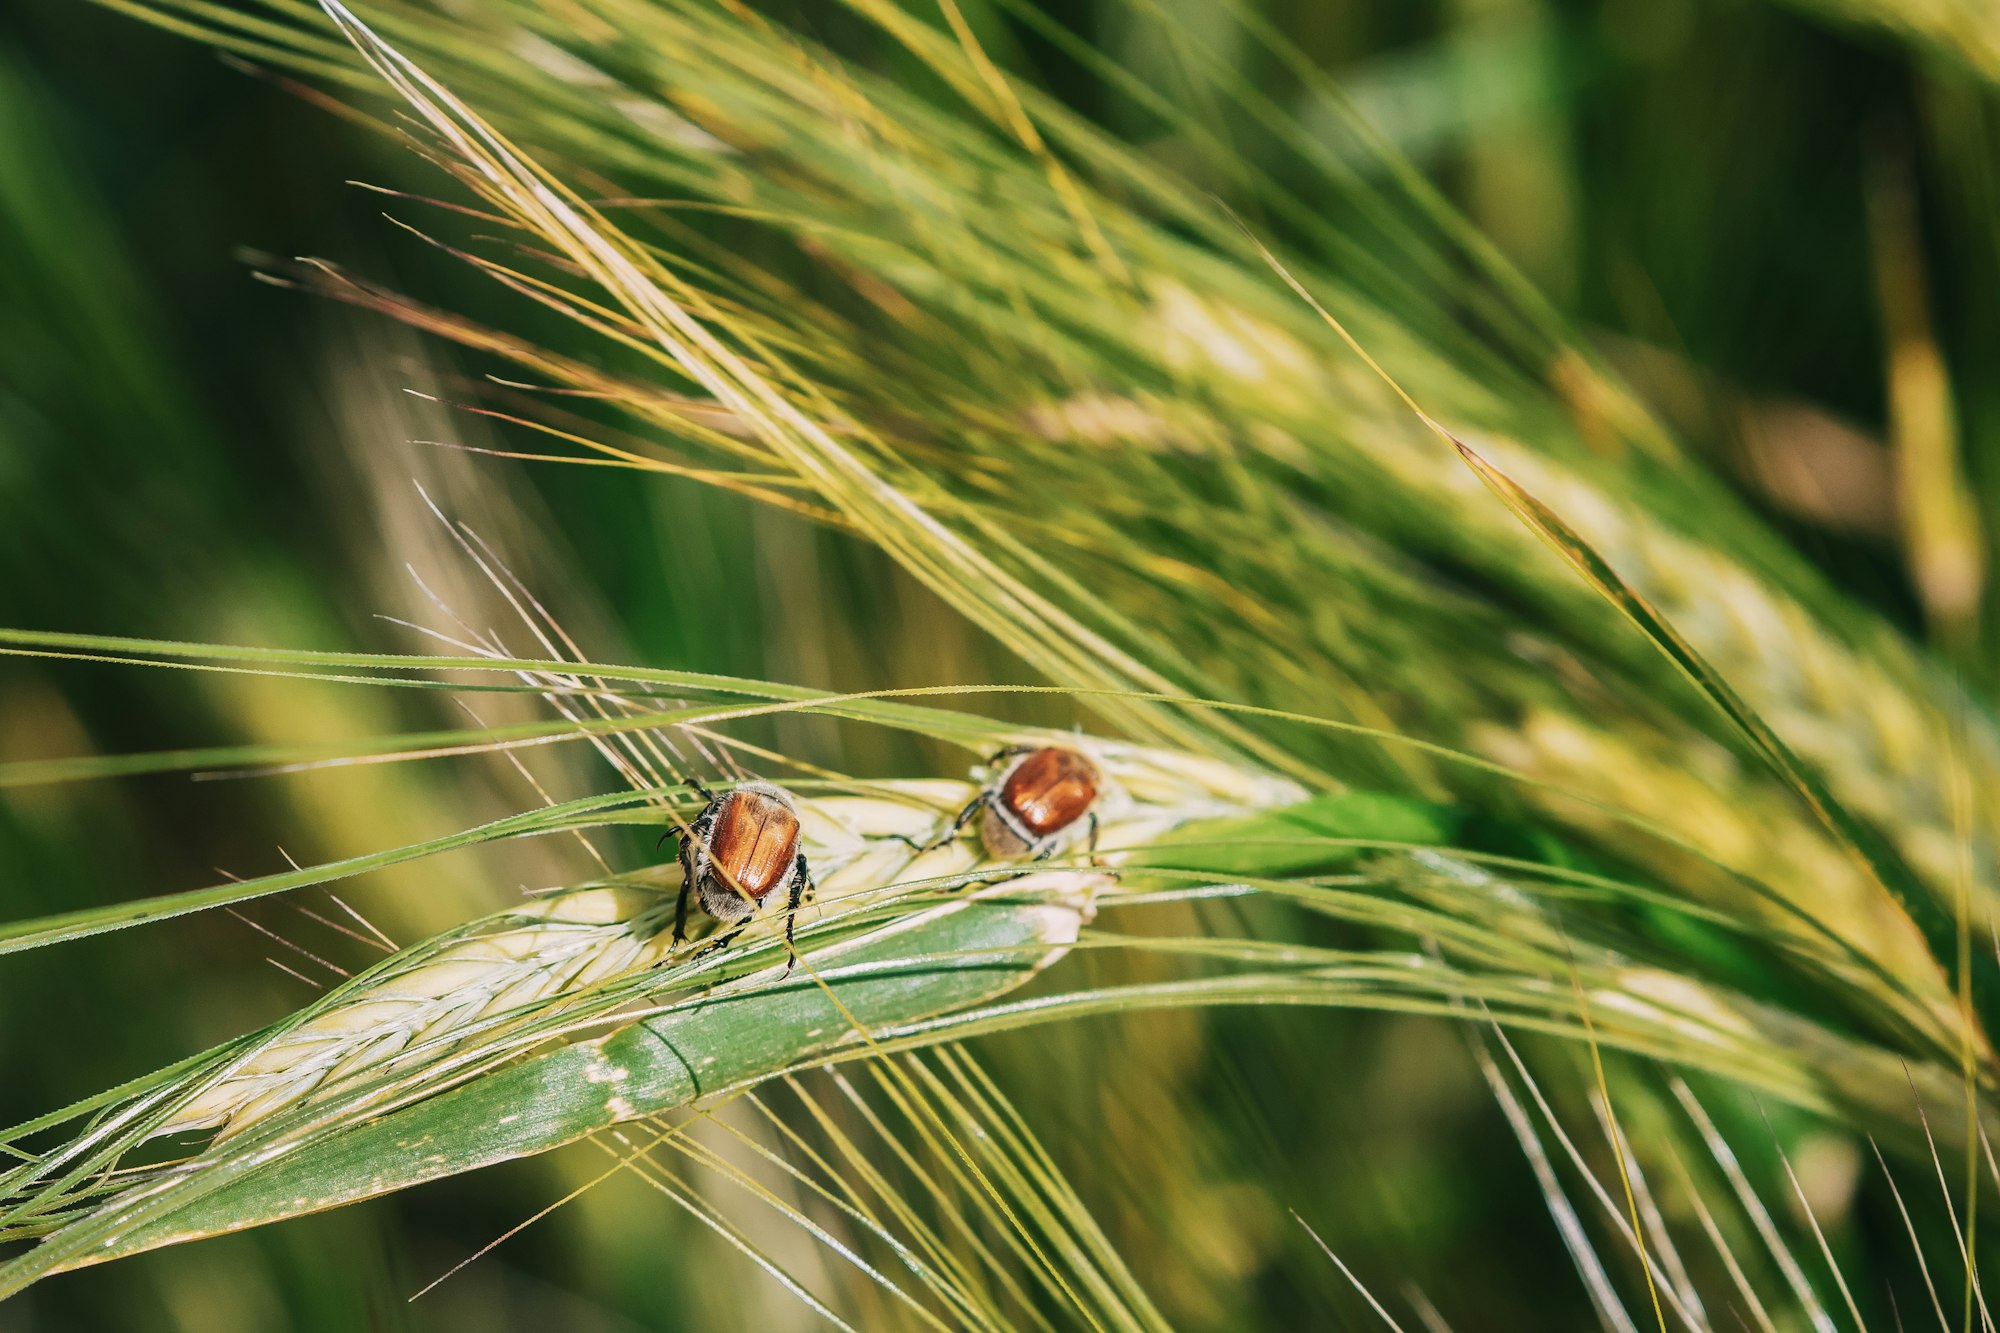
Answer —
(1861, 707)
(516, 958)
(1861, 713)
(407, 1013)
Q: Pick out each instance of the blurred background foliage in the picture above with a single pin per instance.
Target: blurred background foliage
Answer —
(1779, 222)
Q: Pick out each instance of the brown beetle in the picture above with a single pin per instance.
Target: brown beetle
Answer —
(737, 852)
(1037, 795)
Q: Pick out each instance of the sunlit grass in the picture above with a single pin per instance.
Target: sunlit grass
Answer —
(1691, 815)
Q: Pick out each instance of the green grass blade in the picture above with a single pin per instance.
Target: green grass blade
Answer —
(589, 812)
(959, 954)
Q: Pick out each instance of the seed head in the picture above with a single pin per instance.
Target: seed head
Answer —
(406, 1013)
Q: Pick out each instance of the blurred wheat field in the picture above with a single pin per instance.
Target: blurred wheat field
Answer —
(1499, 489)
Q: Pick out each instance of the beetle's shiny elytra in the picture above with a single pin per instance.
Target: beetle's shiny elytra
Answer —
(742, 848)
(751, 847)
(1039, 795)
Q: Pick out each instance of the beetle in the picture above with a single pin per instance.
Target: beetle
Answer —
(1036, 796)
(741, 848)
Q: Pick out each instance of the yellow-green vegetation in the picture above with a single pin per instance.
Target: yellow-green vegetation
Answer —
(1545, 864)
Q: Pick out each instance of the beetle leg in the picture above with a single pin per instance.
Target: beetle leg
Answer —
(1012, 751)
(718, 943)
(687, 891)
(681, 903)
(1093, 837)
(700, 788)
(972, 807)
(802, 884)
(694, 861)
(681, 910)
